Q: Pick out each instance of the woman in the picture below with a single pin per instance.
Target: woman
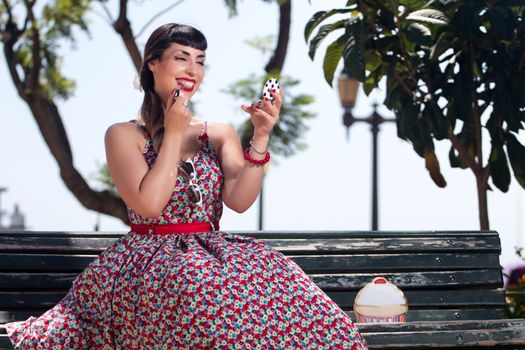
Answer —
(175, 281)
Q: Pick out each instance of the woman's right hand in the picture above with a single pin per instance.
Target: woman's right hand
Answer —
(177, 115)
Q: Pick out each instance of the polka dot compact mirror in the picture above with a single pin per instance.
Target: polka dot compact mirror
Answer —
(271, 87)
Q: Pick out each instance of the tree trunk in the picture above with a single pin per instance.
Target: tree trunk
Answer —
(482, 202)
(123, 27)
(49, 122)
(52, 129)
(276, 62)
(279, 55)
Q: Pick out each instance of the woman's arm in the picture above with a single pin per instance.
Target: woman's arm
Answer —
(243, 179)
(146, 190)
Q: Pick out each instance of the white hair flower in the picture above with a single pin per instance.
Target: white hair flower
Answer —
(136, 83)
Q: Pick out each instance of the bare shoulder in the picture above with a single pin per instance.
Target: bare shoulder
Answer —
(125, 132)
(220, 132)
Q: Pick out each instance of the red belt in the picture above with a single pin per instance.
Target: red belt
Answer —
(193, 227)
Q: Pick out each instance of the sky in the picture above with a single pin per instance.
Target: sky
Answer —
(325, 187)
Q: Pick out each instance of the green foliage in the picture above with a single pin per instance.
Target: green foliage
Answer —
(452, 69)
(332, 57)
(37, 48)
(354, 48)
(265, 44)
(322, 33)
(517, 158)
(103, 177)
(3, 14)
(429, 16)
(318, 18)
(287, 134)
(231, 5)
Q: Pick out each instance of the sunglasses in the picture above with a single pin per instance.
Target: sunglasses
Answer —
(187, 170)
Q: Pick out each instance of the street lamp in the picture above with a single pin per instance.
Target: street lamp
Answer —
(348, 88)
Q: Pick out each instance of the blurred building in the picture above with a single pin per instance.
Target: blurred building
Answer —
(17, 219)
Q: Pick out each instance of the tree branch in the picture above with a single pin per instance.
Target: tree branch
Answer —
(9, 38)
(123, 27)
(9, 13)
(102, 17)
(522, 62)
(405, 87)
(486, 175)
(52, 129)
(475, 109)
(32, 81)
(26, 23)
(471, 162)
(106, 10)
(276, 63)
(11, 64)
(160, 13)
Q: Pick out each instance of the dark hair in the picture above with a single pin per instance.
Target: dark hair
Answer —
(151, 110)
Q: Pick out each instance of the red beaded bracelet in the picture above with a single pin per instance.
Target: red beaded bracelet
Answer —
(256, 161)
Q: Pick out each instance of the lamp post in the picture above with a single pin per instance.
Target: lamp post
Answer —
(348, 88)
(261, 208)
(260, 221)
(2, 190)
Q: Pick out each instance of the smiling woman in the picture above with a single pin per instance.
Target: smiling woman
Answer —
(175, 281)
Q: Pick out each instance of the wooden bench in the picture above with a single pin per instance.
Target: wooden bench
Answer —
(452, 280)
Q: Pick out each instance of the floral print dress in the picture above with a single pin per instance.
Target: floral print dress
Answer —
(211, 290)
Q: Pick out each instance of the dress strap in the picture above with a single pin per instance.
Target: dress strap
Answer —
(142, 126)
(204, 131)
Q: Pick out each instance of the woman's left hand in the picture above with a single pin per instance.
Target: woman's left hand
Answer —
(267, 115)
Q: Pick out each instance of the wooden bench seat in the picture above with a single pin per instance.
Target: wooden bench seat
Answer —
(452, 280)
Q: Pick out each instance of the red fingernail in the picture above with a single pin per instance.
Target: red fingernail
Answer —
(266, 99)
(273, 90)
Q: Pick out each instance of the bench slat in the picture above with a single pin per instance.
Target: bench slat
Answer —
(511, 336)
(95, 245)
(270, 234)
(311, 264)
(344, 299)
(40, 262)
(5, 344)
(18, 315)
(422, 326)
(447, 339)
(402, 245)
(23, 281)
(488, 279)
(449, 314)
(16, 300)
(395, 262)
(30, 300)
(402, 336)
(434, 299)
(412, 315)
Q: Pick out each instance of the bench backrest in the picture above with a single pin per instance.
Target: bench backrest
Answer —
(445, 275)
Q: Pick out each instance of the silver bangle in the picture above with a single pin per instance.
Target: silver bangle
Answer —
(255, 149)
